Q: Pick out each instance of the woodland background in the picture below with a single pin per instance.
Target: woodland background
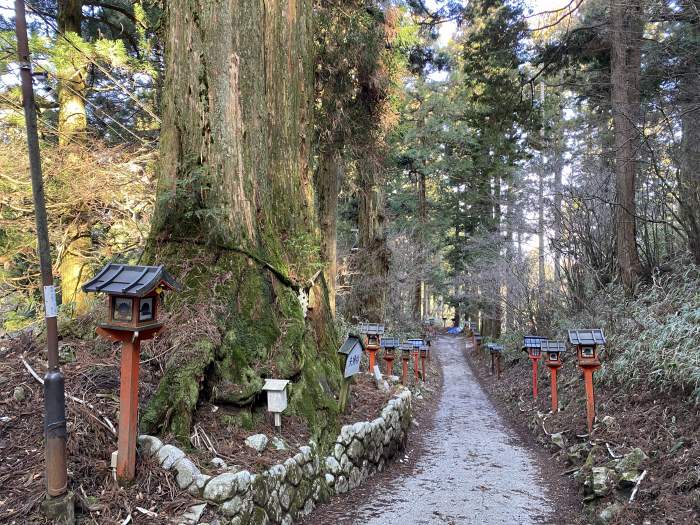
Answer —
(540, 167)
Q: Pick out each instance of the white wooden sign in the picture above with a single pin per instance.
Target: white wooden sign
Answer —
(352, 362)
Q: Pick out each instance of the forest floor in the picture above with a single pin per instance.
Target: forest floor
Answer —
(91, 370)
(665, 428)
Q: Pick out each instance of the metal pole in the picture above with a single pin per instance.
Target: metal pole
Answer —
(54, 399)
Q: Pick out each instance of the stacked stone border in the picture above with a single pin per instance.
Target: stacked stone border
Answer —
(291, 490)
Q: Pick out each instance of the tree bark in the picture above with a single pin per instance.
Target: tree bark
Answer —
(73, 264)
(626, 41)
(235, 218)
(330, 172)
(368, 295)
(72, 74)
(689, 105)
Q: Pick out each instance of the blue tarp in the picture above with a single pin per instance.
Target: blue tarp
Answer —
(455, 330)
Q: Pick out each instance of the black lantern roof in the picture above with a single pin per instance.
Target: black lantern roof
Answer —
(389, 342)
(533, 341)
(133, 281)
(553, 346)
(350, 343)
(586, 337)
(371, 328)
(415, 343)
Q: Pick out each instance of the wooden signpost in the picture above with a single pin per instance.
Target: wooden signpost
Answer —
(133, 307)
(553, 352)
(532, 345)
(352, 350)
(586, 343)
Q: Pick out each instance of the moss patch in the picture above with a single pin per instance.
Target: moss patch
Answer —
(262, 333)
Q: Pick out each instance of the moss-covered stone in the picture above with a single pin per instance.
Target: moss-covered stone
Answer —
(174, 403)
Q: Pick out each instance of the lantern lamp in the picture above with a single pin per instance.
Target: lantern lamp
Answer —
(133, 315)
(587, 343)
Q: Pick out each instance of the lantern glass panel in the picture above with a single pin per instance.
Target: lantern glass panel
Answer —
(122, 309)
(146, 309)
(587, 351)
(535, 352)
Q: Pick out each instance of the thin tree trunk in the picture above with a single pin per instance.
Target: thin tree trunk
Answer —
(626, 41)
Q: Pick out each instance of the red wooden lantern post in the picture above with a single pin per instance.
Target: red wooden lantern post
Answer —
(586, 343)
(405, 358)
(389, 345)
(415, 344)
(472, 333)
(553, 352)
(133, 306)
(424, 352)
(495, 351)
(373, 331)
(532, 346)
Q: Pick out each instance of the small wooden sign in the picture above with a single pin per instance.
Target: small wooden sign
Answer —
(352, 349)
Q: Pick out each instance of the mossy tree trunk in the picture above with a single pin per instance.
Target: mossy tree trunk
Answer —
(235, 217)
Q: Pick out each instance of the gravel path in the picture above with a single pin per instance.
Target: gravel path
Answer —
(473, 470)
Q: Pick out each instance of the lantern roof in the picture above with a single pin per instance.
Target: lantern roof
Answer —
(553, 346)
(389, 342)
(133, 281)
(586, 337)
(275, 385)
(533, 341)
(371, 328)
(350, 343)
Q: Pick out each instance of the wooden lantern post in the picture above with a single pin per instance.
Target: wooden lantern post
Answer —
(532, 345)
(424, 352)
(133, 307)
(389, 345)
(415, 352)
(495, 350)
(373, 332)
(553, 352)
(405, 358)
(586, 343)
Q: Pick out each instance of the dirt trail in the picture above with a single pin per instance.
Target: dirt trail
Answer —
(474, 469)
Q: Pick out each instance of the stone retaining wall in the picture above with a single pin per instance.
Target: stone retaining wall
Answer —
(291, 490)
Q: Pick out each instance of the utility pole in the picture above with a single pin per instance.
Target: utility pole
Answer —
(59, 504)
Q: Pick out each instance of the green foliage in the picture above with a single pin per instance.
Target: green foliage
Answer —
(653, 340)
